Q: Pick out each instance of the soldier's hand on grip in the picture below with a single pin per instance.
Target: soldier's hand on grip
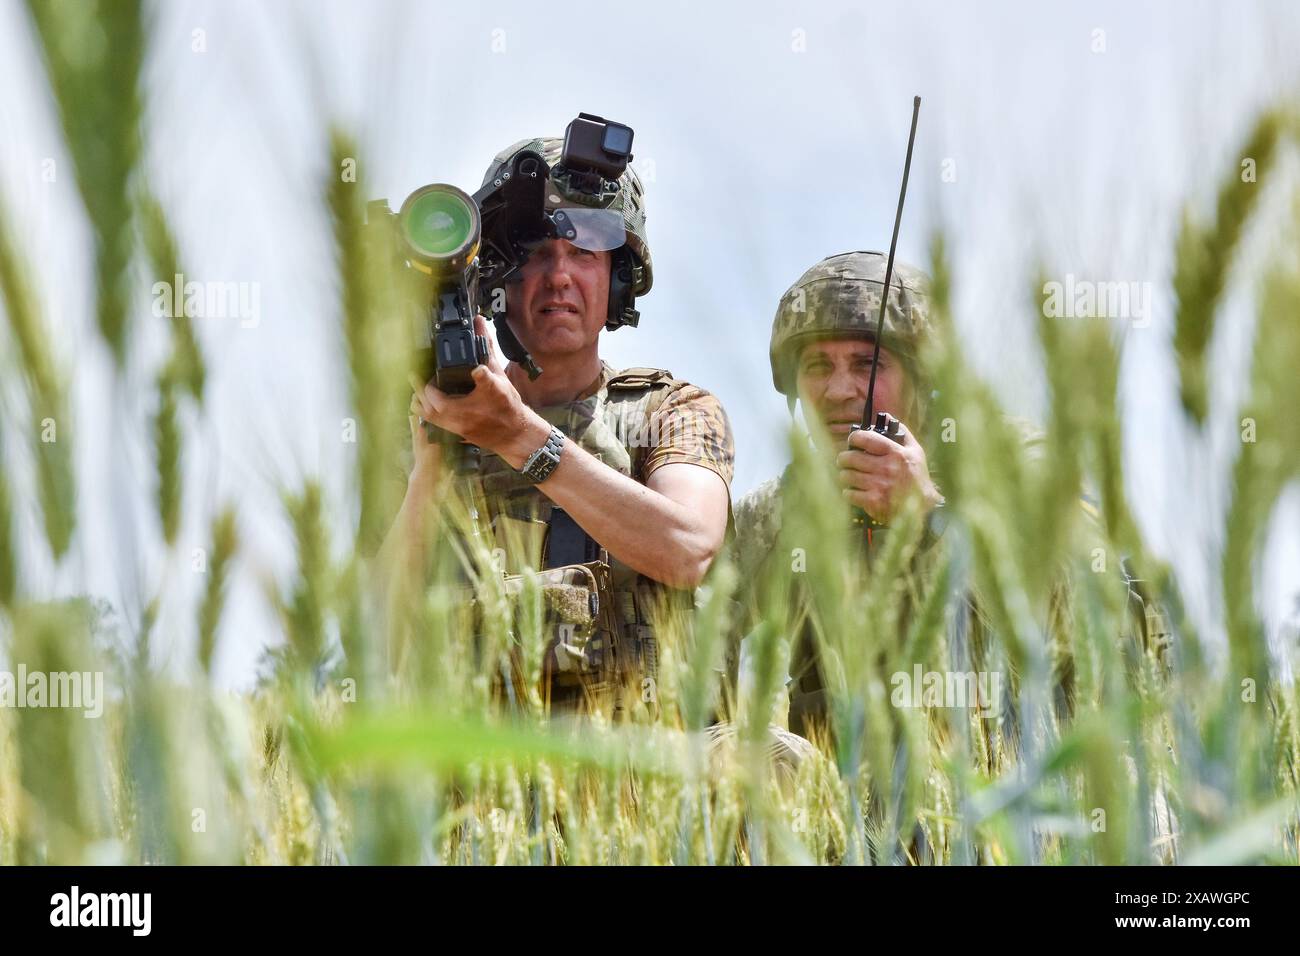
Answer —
(492, 416)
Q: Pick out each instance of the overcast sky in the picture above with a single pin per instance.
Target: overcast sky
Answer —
(770, 135)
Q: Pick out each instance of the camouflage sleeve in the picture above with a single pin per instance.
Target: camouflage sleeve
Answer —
(692, 427)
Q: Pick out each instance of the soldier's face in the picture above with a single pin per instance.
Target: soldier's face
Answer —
(833, 377)
(560, 303)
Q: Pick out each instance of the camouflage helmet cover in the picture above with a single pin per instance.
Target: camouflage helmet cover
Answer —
(630, 201)
(841, 296)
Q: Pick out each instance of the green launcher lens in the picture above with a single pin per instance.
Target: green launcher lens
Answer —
(441, 227)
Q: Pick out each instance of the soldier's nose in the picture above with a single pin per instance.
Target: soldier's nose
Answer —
(843, 388)
(557, 276)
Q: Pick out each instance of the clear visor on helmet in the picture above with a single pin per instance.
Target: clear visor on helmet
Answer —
(596, 230)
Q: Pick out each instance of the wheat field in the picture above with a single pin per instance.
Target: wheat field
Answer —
(374, 736)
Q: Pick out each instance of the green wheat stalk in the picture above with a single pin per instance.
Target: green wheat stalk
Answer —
(167, 445)
(47, 396)
(186, 360)
(225, 542)
(1204, 255)
(93, 58)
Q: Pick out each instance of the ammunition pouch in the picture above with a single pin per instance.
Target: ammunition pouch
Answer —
(594, 648)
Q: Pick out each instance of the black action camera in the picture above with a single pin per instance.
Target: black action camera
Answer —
(595, 149)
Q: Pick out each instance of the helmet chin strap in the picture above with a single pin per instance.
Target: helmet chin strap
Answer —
(512, 348)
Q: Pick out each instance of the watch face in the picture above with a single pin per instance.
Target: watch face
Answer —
(540, 469)
(546, 459)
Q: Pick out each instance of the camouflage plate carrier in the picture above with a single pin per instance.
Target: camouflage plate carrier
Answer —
(602, 617)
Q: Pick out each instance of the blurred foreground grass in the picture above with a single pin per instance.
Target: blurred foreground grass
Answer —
(374, 741)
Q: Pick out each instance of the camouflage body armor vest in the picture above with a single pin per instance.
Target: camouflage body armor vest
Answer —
(602, 617)
(761, 519)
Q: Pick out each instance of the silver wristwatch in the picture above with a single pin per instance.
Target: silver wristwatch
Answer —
(545, 460)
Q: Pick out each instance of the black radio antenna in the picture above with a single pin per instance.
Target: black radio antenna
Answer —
(868, 413)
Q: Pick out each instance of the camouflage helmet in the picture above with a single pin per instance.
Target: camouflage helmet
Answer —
(841, 296)
(630, 202)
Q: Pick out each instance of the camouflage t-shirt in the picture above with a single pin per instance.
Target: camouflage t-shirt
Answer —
(690, 427)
